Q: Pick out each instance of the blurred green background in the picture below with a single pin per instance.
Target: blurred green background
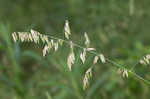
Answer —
(117, 28)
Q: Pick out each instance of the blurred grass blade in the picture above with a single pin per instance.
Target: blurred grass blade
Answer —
(48, 95)
(98, 84)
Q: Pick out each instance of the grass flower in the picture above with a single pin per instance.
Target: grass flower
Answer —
(145, 60)
(87, 76)
(67, 29)
(87, 41)
(83, 55)
(53, 42)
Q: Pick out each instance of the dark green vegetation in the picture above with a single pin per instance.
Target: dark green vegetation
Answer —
(117, 28)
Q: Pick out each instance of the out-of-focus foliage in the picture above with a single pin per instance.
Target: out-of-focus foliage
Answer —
(117, 28)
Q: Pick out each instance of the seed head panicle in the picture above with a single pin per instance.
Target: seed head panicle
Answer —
(54, 42)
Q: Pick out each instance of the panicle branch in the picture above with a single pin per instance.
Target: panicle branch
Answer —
(54, 42)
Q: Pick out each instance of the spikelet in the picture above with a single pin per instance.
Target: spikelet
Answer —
(35, 35)
(47, 48)
(86, 78)
(52, 42)
(102, 58)
(71, 57)
(123, 72)
(56, 46)
(95, 59)
(15, 37)
(145, 60)
(70, 60)
(90, 49)
(83, 55)
(67, 29)
(87, 41)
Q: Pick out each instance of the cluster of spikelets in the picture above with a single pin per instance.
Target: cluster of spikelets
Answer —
(36, 37)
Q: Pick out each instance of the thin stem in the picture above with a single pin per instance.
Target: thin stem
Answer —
(134, 66)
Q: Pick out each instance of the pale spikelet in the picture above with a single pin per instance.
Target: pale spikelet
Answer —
(71, 57)
(56, 46)
(86, 78)
(83, 55)
(123, 72)
(89, 72)
(67, 29)
(95, 59)
(60, 42)
(85, 82)
(35, 35)
(70, 60)
(91, 49)
(145, 60)
(47, 48)
(87, 41)
(15, 37)
(102, 58)
(52, 42)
